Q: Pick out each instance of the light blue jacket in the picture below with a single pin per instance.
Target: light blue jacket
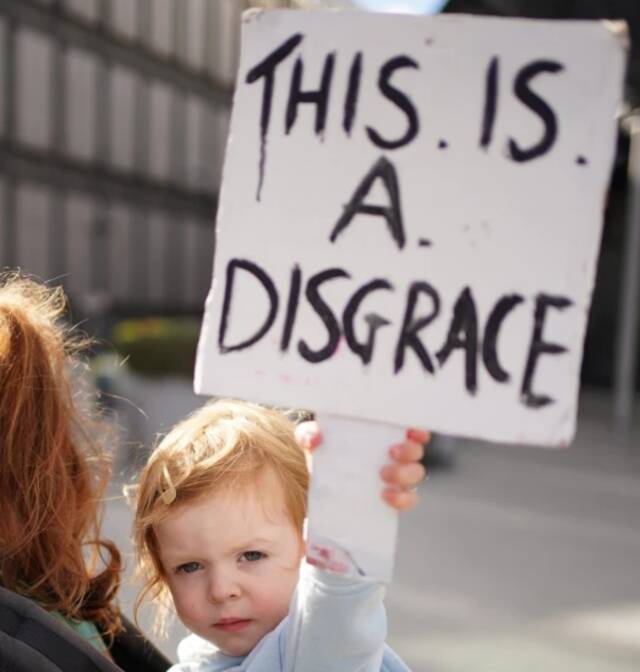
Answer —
(335, 624)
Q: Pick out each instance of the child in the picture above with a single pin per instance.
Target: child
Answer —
(218, 525)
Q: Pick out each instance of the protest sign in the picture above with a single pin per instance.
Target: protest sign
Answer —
(410, 218)
(407, 235)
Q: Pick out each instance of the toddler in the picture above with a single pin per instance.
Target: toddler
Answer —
(219, 526)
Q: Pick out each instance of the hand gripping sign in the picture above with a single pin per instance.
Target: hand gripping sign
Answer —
(410, 217)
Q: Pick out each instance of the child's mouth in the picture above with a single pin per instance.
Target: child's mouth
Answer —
(232, 624)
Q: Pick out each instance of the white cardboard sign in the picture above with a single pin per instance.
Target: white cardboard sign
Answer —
(410, 218)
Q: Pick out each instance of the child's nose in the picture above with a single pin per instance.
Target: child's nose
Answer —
(223, 586)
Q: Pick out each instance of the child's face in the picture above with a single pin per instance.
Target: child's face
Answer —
(231, 563)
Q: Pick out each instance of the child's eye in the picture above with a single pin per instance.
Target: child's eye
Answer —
(252, 556)
(188, 568)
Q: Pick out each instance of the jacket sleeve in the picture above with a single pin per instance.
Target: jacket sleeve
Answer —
(334, 624)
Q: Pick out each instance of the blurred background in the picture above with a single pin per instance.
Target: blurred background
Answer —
(113, 124)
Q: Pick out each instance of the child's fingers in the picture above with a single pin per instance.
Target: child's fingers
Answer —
(407, 452)
(401, 500)
(308, 435)
(403, 475)
(418, 435)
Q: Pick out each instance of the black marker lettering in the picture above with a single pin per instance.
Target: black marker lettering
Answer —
(489, 343)
(411, 326)
(490, 103)
(537, 105)
(353, 89)
(269, 288)
(400, 99)
(267, 69)
(292, 308)
(326, 315)
(319, 98)
(463, 333)
(539, 347)
(374, 321)
(383, 169)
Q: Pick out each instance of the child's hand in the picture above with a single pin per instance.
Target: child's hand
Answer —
(405, 470)
(401, 475)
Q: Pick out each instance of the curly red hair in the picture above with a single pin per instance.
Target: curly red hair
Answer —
(53, 474)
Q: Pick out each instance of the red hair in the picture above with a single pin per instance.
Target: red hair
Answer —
(52, 472)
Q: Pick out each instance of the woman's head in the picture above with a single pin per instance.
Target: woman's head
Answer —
(52, 473)
(224, 448)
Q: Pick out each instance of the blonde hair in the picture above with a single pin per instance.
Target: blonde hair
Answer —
(53, 473)
(225, 445)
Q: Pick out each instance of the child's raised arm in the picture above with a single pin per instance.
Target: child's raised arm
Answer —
(337, 621)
